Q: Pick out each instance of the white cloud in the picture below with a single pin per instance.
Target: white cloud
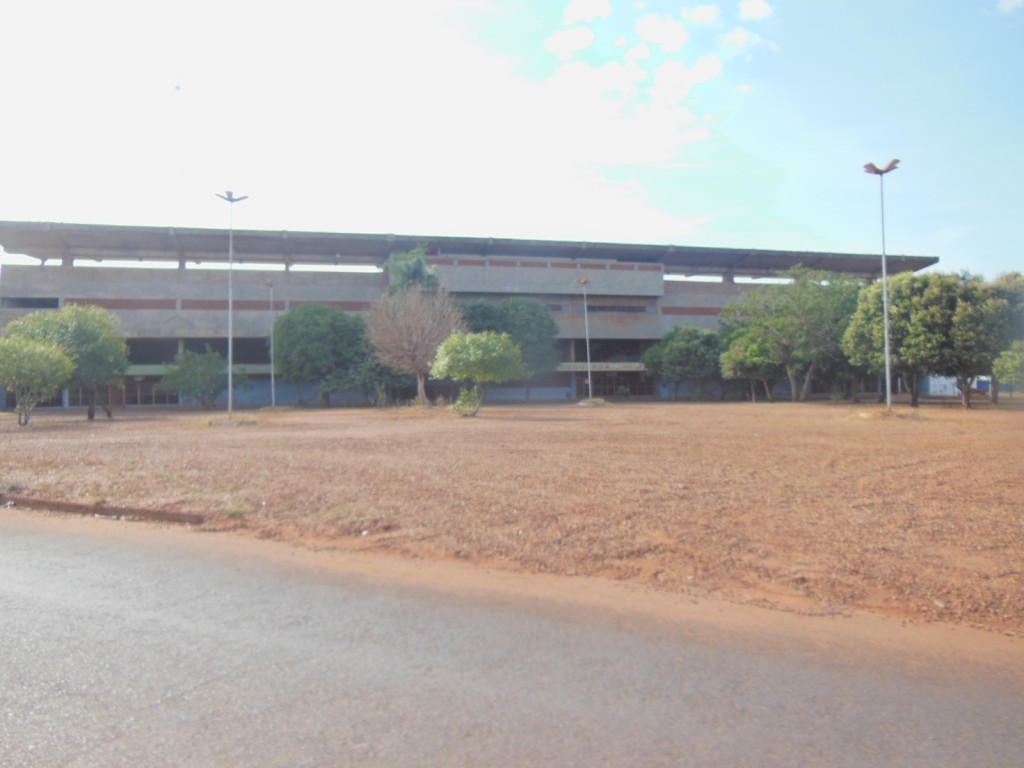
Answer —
(702, 14)
(669, 34)
(640, 52)
(565, 42)
(673, 80)
(740, 38)
(755, 9)
(1009, 6)
(586, 11)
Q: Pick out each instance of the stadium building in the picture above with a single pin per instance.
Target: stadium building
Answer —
(169, 286)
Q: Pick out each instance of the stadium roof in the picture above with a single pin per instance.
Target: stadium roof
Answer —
(60, 241)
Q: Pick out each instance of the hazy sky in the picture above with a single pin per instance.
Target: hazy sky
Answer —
(739, 124)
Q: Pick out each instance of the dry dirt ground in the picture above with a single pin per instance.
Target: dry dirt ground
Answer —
(819, 508)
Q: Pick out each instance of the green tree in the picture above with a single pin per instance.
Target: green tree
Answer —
(406, 328)
(949, 325)
(91, 337)
(199, 376)
(34, 370)
(381, 383)
(406, 269)
(527, 321)
(916, 329)
(482, 315)
(1009, 287)
(975, 335)
(685, 353)
(1009, 366)
(799, 324)
(532, 327)
(746, 358)
(320, 345)
(478, 359)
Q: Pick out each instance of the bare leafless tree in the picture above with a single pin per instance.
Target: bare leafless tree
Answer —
(407, 327)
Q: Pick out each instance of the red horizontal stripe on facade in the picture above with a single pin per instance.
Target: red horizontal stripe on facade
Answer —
(351, 306)
(252, 304)
(535, 264)
(442, 262)
(502, 263)
(690, 310)
(593, 266)
(649, 267)
(472, 263)
(563, 265)
(204, 304)
(626, 267)
(126, 303)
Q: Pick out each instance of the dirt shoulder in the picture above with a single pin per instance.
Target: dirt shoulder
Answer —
(821, 510)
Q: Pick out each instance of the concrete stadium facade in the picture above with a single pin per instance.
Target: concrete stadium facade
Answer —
(635, 293)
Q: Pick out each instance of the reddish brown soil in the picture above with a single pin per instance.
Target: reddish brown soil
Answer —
(818, 508)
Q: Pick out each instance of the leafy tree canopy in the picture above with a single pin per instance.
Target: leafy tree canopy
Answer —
(199, 376)
(34, 370)
(949, 325)
(686, 352)
(408, 269)
(798, 324)
(1009, 366)
(479, 358)
(527, 321)
(320, 345)
(90, 336)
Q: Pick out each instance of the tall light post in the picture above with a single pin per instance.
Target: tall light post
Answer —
(586, 331)
(273, 387)
(880, 173)
(231, 199)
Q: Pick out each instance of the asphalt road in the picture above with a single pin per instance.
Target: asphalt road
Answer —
(115, 654)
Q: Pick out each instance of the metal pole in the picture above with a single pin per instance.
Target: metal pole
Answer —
(885, 301)
(231, 199)
(880, 172)
(273, 386)
(586, 331)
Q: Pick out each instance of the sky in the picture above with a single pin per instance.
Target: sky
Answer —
(730, 124)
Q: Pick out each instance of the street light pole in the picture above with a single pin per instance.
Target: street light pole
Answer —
(273, 387)
(586, 331)
(231, 199)
(880, 173)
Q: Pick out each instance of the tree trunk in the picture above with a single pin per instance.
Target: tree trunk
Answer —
(794, 390)
(769, 389)
(105, 405)
(90, 412)
(421, 388)
(675, 392)
(753, 390)
(994, 392)
(808, 379)
(914, 385)
(965, 390)
(479, 398)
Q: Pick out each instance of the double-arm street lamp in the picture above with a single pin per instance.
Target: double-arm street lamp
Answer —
(231, 199)
(880, 173)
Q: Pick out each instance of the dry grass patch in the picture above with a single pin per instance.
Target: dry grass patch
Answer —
(815, 508)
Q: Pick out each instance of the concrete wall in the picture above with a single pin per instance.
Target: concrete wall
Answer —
(543, 277)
